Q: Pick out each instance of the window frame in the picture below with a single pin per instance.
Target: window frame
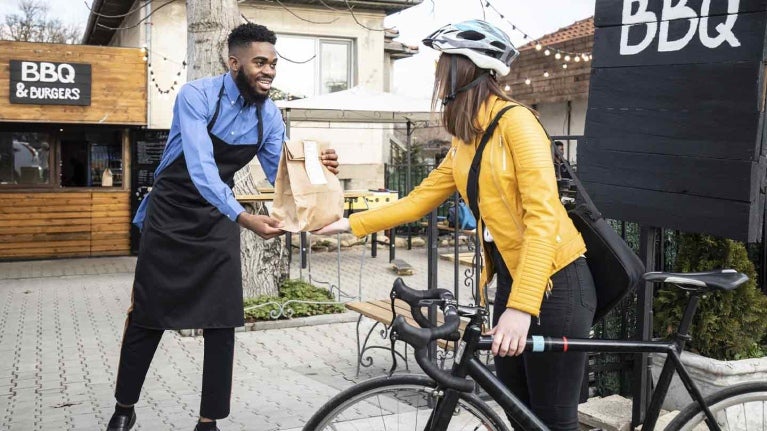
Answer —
(316, 58)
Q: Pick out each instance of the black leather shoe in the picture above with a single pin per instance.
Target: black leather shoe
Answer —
(121, 422)
(196, 428)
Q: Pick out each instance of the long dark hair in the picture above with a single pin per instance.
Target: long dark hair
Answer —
(459, 115)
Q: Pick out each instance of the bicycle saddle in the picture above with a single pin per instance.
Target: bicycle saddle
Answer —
(724, 279)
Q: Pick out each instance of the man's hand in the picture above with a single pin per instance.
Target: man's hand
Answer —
(510, 334)
(264, 226)
(339, 226)
(330, 160)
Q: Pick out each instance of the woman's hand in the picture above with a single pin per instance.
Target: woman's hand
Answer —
(330, 160)
(264, 226)
(510, 334)
(339, 226)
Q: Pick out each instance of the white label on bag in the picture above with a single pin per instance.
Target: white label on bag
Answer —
(312, 163)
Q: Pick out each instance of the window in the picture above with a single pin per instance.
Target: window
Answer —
(91, 159)
(316, 66)
(60, 157)
(25, 158)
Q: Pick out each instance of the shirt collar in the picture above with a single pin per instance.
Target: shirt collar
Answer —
(230, 87)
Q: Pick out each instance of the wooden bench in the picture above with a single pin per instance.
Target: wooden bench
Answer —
(381, 313)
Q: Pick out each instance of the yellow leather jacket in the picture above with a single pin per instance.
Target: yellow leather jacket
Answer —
(518, 201)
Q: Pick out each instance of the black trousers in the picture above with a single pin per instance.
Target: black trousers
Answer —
(138, 348)
(550, 383)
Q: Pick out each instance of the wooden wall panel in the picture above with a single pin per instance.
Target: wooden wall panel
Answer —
(64, 224)
(118, 87)
(675, 132)
(110, 224)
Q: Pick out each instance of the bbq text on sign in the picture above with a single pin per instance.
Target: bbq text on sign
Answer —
(50, 83)
(636, 12)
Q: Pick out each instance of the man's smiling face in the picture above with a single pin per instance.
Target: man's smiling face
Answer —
(254, 67)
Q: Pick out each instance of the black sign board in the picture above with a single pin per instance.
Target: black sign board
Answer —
(148, 146)
(50, 83)
(675, 123)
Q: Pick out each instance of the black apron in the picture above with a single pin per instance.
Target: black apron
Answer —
(188, 273)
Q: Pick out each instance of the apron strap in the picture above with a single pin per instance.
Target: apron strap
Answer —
(260, 119)
(218, 106)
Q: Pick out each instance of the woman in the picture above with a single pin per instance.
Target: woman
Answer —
(544, 286)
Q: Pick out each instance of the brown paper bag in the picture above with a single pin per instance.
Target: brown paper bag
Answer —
(301, 205)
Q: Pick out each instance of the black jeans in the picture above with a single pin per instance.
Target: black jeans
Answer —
(138, 348)
(550, 383)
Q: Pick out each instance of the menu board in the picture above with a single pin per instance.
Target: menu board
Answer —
(147, 147)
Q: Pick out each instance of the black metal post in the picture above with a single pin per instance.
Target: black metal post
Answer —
(432, 251)
(642, 384)
(763, 257)
(392, 242)
(456, 256)
(304, 244)
(431, 245)
(408, 180)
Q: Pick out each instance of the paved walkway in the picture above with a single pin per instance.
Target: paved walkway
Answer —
(60, 328)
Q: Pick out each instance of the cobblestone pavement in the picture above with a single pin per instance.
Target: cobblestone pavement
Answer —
(61, 323)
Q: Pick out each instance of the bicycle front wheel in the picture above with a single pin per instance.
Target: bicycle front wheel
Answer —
(402, 402)
(740, 407)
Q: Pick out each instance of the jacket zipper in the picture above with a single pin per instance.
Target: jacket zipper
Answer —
(496, 182)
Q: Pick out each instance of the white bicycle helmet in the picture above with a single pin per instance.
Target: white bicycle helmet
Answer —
(484, 44)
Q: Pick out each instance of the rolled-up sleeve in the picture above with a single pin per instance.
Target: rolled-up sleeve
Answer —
(191, 105)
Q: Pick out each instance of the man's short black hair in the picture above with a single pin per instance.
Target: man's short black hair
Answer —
(244, 34)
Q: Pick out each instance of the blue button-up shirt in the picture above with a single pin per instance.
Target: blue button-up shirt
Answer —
(236, 124)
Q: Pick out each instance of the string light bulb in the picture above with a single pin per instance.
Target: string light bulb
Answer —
(527, 81)
(545, 74)
(567, 58)
(557, 55)
(577, 59)
(507, 87)
(564, 66)
(547, 52)
(538, 47)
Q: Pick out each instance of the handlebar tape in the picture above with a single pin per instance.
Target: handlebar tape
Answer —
(419, 338)
(413, 298)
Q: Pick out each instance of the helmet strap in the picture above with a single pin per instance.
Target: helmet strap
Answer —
(453, 82)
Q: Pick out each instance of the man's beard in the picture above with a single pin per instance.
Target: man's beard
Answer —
(248, 94)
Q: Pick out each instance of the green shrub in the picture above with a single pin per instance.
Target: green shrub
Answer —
(728, 325)
(291, 290)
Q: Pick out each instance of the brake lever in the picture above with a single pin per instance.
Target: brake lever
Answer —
(392, 335)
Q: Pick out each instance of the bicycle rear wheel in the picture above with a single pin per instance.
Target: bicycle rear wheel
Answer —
(740, 407)
(402, 402)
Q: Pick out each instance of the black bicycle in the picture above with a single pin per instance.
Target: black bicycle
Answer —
(445, 400)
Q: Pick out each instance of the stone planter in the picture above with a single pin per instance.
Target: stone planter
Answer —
(710, 375)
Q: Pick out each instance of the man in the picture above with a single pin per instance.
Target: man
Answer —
(188, 270)
(559, 164)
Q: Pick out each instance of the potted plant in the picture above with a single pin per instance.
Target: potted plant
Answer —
(729, 329)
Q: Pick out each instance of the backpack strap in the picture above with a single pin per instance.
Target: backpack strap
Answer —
(472, 185)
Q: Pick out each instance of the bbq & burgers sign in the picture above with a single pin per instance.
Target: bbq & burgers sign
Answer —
(50, 83)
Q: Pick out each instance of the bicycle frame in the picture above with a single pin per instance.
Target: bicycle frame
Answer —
(468, 364)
